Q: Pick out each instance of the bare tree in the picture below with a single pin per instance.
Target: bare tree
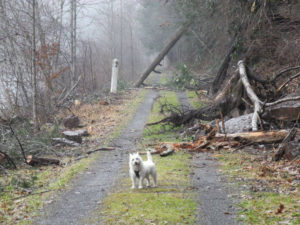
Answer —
(34, 71)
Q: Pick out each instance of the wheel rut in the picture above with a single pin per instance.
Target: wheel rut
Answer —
(215, 206)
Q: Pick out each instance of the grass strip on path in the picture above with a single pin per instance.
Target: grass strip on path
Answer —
(169, 203)
(161, 132)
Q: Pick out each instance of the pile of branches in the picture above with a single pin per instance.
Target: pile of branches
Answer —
(269, 120)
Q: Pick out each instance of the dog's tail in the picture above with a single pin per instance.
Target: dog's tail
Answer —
(149, 156)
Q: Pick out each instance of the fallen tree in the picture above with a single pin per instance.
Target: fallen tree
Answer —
(38, 161)
(231, 97)
(170, 43)
(215, 141)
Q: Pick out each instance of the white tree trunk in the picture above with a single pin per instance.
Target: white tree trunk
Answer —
(251, 94)
(114, 76)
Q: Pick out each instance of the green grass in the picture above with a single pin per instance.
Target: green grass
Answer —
(194, 100)
(164, 80)
(264, 207)
(260, 207)
(161, 132)
(169, 203)
(48, 180)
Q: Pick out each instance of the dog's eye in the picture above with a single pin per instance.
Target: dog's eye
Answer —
(132, 160)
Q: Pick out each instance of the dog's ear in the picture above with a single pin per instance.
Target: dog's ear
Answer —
(130, 155)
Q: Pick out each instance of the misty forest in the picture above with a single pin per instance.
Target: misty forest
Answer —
(99, 98)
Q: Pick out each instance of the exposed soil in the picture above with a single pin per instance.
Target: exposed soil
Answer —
(76, 204)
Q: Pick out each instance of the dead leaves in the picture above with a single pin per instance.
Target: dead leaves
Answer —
(280, 209)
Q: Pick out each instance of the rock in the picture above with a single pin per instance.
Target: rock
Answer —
(64, 142)
(238, 124)
(73, 136)
(71, 122)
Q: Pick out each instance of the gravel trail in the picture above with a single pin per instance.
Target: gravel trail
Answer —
(76, 205)
(215, 204)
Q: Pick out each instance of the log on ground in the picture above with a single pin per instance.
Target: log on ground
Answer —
(37, 161)
(272, 136)
(64, 142)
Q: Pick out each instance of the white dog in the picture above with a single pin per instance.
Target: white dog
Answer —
(139, 169)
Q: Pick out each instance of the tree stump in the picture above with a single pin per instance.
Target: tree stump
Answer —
(71, 122)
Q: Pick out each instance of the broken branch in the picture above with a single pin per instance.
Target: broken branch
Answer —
(289, 80)
(251, 94)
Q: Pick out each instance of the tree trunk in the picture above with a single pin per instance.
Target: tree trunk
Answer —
(251, 94)
(73, 41)
(36, 161)
(282, 147)
(258, 136)
(171, 42)
(223, 69)
(34, 70)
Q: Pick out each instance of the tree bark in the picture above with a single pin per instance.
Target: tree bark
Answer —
(223, 69)
(259, 136)
(171, 42)
(281, 150)
(34, 70)
(36, 161)
(251, 94)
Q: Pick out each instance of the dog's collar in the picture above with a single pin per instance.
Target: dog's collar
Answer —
(137, 173)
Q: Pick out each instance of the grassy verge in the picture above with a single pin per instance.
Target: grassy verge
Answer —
(18, 205)
(194, 99)
(170, 203)
(273, 203)
(19, 191)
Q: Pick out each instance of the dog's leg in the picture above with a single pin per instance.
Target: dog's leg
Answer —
(148, 181)
(141, 182)
(154, 176)
(133, 179)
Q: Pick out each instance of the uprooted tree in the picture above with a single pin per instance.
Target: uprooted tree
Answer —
(265, 118)
(237, 91)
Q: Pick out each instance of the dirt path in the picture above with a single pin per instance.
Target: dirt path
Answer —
(215, 207)
(76, 205)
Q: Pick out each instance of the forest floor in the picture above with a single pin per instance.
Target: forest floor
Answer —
(217, 187)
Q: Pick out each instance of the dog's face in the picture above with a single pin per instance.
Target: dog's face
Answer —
(135, 159)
